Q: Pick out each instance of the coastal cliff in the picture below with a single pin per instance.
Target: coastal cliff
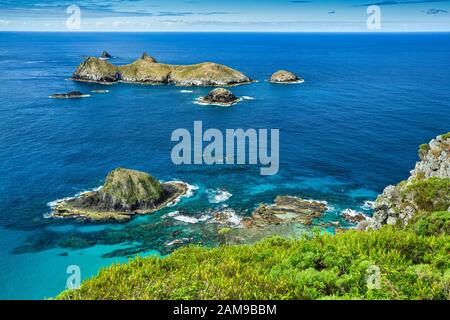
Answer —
(148, 71)
(427, 190)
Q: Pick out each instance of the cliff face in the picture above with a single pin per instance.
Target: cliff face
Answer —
(147, 70)
(426, 190)
(95, 69)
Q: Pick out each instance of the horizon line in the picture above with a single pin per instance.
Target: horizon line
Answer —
(261, 31)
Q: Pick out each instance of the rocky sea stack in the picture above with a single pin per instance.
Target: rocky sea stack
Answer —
(220, 96)
(105, 55)
(148, 71)
(125, 193)
(69, 95)
(283, 76)
(426, 192)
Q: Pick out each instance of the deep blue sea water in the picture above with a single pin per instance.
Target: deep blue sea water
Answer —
(352, 128)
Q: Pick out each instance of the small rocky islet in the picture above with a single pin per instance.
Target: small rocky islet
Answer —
(124, 194)
(220, 96)
(105, 55)
(69, 95)
(285, 77)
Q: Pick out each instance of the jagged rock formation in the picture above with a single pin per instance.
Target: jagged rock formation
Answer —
(105, 55)
(147, 70)
(124, 194)
(283, 76)
(220, 96)
(426, 190)
(286, 209)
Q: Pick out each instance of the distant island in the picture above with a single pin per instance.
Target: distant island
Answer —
(147, 70)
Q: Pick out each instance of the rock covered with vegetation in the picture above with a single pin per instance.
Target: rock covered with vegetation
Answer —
(125, 193)
(220, 96)
(283, 76)
(147, 70)
(427, 190)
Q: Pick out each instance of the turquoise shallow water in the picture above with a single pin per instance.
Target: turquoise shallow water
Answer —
(351, 129)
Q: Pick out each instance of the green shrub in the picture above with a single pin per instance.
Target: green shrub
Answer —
(434, 223)
(431, 194)
(446, 136)
(423, 149)
(412, 266)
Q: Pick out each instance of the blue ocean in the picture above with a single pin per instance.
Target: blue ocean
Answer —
(352, 128)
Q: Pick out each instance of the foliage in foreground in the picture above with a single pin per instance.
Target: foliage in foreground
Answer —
(412, 266)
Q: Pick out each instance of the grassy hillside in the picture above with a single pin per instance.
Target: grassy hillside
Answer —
(413, 265)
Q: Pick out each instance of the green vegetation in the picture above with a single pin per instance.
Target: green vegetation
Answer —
(132, 186)
(446, 136)
(428, 224)
(103, 70)
(423, 150)
(429, 195)
(412, 266)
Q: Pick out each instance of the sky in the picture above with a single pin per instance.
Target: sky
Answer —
(225, 16)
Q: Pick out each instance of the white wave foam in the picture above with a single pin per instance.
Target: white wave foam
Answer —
(218, 195)
(189, 219)
(351, 212)
(189, 193)
(248, 98)
(368, 205)
(53, 203)
(199, 102)
(178, 241)
(186, 91)
(227, 216)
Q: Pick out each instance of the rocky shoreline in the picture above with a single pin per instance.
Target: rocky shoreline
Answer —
(285, 209)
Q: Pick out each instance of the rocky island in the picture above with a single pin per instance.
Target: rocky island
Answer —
(69, 95)
(105, 55)
(425, 192)
(220, 97)
(283, 76)
(125, 193)
(147, 70)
